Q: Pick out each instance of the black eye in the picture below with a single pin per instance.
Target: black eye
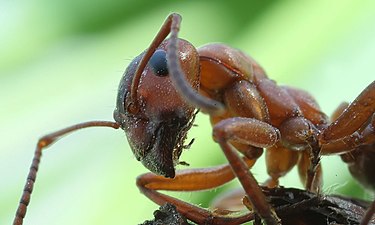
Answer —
(158, 62)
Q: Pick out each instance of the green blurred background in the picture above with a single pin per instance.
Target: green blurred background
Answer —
(61, 61)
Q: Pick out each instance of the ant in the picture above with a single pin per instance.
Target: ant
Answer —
(157, 101)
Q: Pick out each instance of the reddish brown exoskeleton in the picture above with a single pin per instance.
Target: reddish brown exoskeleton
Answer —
(156, 105)
(361, 158)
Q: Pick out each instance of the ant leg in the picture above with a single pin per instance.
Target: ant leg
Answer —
(360, 163)
(353, 117)
(252, 132)
(338, 111)
(336, 146)
(360, 160)
(300, 134)
(369, 214)
(193, 180)
(230, 200)
(44, 142)
(279, 161)
(311, 179)
(365, 135)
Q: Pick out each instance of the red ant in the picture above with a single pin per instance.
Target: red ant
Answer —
(156, 105)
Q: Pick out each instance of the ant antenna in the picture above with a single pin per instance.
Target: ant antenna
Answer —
(172, 26)
(165, 29)
(44, 142)
(178, 77)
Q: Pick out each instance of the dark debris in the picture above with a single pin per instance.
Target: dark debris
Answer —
(293, 206)
(167, 215)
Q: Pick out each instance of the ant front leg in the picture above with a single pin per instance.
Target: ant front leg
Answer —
(193, 180)
(255, 133)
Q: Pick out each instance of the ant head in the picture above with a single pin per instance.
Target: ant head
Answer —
(157, 128)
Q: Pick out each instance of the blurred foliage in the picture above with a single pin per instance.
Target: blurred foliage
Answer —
(60, 62)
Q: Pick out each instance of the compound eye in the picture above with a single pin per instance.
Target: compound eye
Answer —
(158, 62)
